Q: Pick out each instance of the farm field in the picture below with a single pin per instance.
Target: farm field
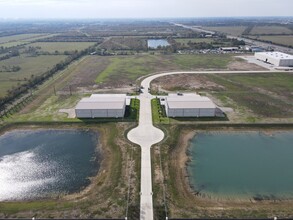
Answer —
(28, 66)
(20, 39)
(194, 40)
(279, 39)
(61, 47)
(125, 43)
(272, 29)
(232, 30)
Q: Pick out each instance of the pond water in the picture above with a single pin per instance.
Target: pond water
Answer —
(242, 165)
(157, 42)
(42, 163)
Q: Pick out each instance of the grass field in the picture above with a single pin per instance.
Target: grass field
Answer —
(29, 66)
(261, 96)
(272, 29)
(232, 30)
(194, 40)
(279, 39)
(19, 37)
(131, 67)
(61, 47)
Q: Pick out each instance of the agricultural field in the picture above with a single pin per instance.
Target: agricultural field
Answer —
(232, 30)
(20, 39)
(124, 43)
(262, 96)
(28, 66)
(278, 39)
(270, 30)
(194, 40)
(61, 47)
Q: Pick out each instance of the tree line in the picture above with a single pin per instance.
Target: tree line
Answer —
(34, 81)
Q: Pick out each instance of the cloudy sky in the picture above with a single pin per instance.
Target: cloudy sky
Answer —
(142, 8)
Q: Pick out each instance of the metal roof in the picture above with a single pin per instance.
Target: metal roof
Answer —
(277, 55)
(102, 101)
(188, 101)
(191, 104)
(99, 105)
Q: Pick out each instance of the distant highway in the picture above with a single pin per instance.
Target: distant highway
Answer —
(247, 41)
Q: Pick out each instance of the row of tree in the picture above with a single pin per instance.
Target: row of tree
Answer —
(34, 81)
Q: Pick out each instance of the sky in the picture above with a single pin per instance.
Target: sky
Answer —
(143, 8)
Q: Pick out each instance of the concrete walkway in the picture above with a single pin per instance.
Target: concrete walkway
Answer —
(147, 135)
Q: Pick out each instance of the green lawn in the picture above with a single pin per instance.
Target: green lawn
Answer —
(158, 113)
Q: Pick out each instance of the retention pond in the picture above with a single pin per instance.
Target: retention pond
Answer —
(157, 43)
(242, 165)
(38, 164)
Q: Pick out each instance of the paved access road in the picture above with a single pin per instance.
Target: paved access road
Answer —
(147, 135)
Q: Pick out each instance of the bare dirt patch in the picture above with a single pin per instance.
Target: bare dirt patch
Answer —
(237, 65)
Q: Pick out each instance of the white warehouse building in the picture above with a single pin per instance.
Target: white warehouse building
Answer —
(101, 106)
(276, 58)
(189, 105)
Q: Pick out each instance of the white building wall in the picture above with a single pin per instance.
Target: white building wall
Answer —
(196, 112)
(82, 113)
(277, 61)
(100, 113)
(207, 112)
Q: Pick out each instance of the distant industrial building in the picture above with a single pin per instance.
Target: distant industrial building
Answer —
(276, 58)
(189, 105)
(228, 49)
(101, 106)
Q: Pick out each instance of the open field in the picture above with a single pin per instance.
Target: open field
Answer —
(194, 40)
(20, 39)
(106, 196)
(254, 97)
(134, 67)
(124, 43)
(272, 29)
(29, 66)
(279, 39)
(232, 30)
(120, 71)
(182, 202)
(61, 47)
